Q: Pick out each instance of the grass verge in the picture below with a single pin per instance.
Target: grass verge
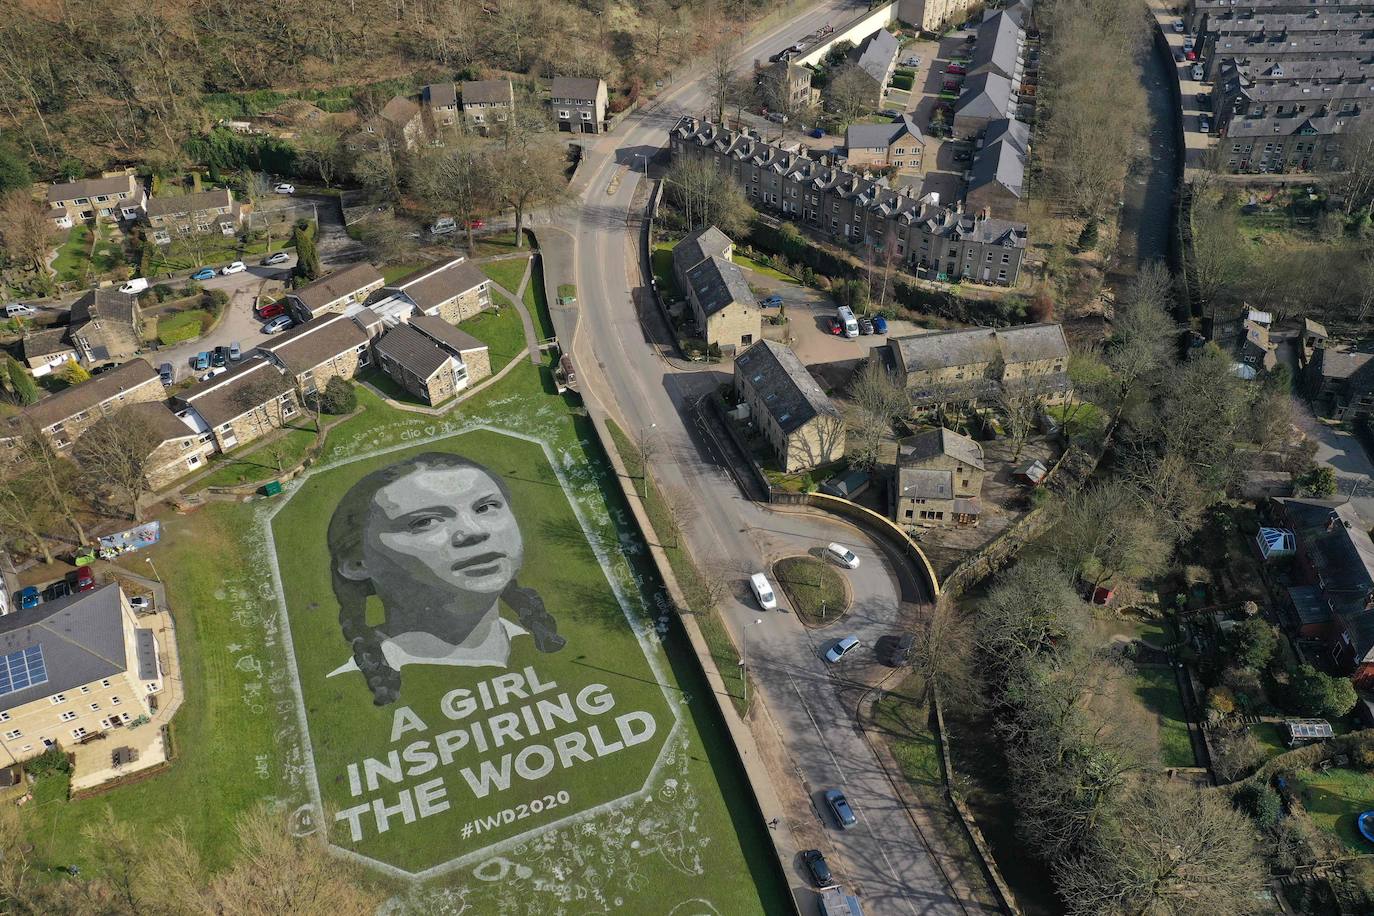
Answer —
(507, 273)
(500, 329)
(181, 326)
(662, 256)
(816, 590)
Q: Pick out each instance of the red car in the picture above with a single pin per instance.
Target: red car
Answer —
(1190, 55)
(85, 579)
(955, 69)
(271, 310)
(834, 327)
(474, 224)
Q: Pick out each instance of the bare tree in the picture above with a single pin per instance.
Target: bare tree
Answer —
(529, 172)
(707, 196)
(26, 233)
(720, 76)
(943, 651)
(388, 240)
(454, 181)
(54, 475)
(646, 447)
(851, 94)
(877, 400)
(1219, 258)
(24, 512)
(1020, 405)
(1356, 184)
(1103, 530)
(682, 509)
(115, 454)
(257, 187)
(321, 149)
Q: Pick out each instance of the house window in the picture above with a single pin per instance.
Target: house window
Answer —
(105, 682)
(114, 701)
(67, 716)
(4, 717)
(12, 734)
(86, 689)
(95, 707)
(78, 733)
(48, 742)
(57, 698)
(563, 113)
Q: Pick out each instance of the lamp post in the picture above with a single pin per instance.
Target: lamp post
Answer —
(149, 561)
(644, 455)
(743, 656)
(646, 162)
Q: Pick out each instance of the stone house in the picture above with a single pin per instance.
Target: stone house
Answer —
(488, 103)
(980, 364)
(177, 216)
(899, 145)
(432, 359)
(441, 102)
(333, 345)
(999, 48)
(453, 290)
(114, 195)
(47, 350)
(802, 425)
(997, 181)
(578, 104)
(788, 84)
(334, 292)
(923, 498)
(178, 447)
(1340, 382)
(105, 326)
(933, 15)
(399, 123)
(721, 301)
(932, 241)
(65, 415)
(241, 405)
(984, 98)
(74, 668)
(876, 57)
(939, 479)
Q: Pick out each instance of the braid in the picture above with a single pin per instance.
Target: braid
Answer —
(529, 607)
(366, 642)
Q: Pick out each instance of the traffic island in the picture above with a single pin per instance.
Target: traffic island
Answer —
(816, 590)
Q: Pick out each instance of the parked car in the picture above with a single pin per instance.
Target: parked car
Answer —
(280, 323)
(911, 62)
(478, 223)
(962, 155)
(900, 652)
(218, 370)
(444, 225)
(841, 649)
(285, 188)
(818, 868)
(1179, 26)
(879, 324)
(205, 273)
(1204, 124)
(136, 285)
(890, 113)
(164, 371)
(1204, 99)
(271, 310)
(19, 310)
(842, 555)
(1197, 72)
(218, 357)
(763, 591)
(28, 598)
(833, 325)
(777, 117)
(235, 267)
(141, 603)
(840, 806)
(772, 302)
(817, 133)
(865, 325)
(201, 361)
(846, 318)
(1189, 42)
(280, 257)
(59, 589)
(235, 354)
(1190, 55)
(85, 579)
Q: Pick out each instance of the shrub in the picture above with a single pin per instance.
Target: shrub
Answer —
(1313, 693)
(73, 373)
(1260, 802)
(162, 292)
(215, 300)
(49, 763)
(22, 384)
(1319, 483)
(339, 397)
(1088, 237)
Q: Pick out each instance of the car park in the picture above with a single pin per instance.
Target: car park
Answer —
(28, 598)
(234, 267)
(205, 273)
(164, 372)
(818, 868)
(285, 188)
(865, 325)
(280, 257)
(879, 324)
(772, 302)
(59, 589)
(842, 555)
(280, 323)
(19, 310)
(270, 310)
(201, 361)
(235, 354)
(84, 580)
(841, 649)
(839, 806)
(763, 591)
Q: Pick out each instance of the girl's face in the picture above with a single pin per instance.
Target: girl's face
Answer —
(445, 528)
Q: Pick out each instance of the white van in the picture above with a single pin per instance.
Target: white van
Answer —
(136, 285)
(846, 317)
(19, 310)
(763, 591)
(444, 225)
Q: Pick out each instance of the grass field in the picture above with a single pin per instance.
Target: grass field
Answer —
(390, 387)
(213, 251)
(815, 588)
(500, 329)
(1335, 799)
(507, 273)
(181, 326)
(257, 462)
(757, 267)
(76, 262)
(537, 302)
(1158, 692)
(394, 272)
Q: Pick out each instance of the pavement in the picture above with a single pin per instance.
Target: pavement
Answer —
(620, 351)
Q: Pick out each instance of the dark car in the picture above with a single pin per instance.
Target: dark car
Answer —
(84, 579)
(771, 302)
(1178, 56)
(201, 361)
(818, 868)
(817, 133)
(28, 598)
(56, 590)
(218, 357)
(840, 806)
(865, 325)
(963, 155)
(165, 373)
(879, 324)
(1204, 99)
(900, 652)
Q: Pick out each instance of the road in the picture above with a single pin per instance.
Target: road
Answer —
(883, 858)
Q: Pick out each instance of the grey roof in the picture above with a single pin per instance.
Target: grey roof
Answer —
(1263, 48)
(699, 245)
(1008, 130)
(1309, 605)
(445, 334)
(81, 637)
(250, 384)
(575, 88)
(876, 55)
(1275, 27)
(317, 340)
(488, 92)
(89, 394)
(319, 293)
(1029, 342)
(47, 342)
(107, 304)
(146, 646)
(439, 282)
(160, 419)
(717, 284)
(923, 483)
(91, 187)
(942, 349)
(940, 441)
(1341, 364)
(400, 111)
(190, 203)
(440, 95)
(1021, 12)
(986, 95)
(412, 350)
(783, 384)
(1001, 164)
(998, 49)
(881, 136)
(1340, 551)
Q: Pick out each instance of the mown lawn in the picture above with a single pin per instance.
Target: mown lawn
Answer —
(1335, 799)
(1157, 690)
(181, 326)
(393, 272)
(213, 251)
(77, 263)
(390, 387)
(500, 329)
(507, 273)
(815, 588)
(762, 269)
(663, 270)
(257, 461)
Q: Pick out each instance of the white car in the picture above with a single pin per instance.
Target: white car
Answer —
(237, 267)
(912, 62)
(136, 285)
(280, 257)
(141, 603)
(763, 591)
(19, 310)
(285, 188)
(842, 648)
(842, 555)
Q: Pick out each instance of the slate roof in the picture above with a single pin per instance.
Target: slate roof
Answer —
(217, 199)
(412, 350)
(224, 397)
(91, 188)
(876, 55)
(319, 293)
(441, 95)
(931, 443)
(986, 95)
(48, 342)
(1309, 605)
(1340, 551)
(400, 111)
(439, 282)
(923, 483)
(81, 397)
(717, 284)
(1008, 130)
(1341, 364)
(881, 136)
(164, 424)
(942, 349)
(81, 637)
(783, 384)
(1000, 164)
(445, 334)
(146, 648)
(304, 347)
(699, 245)
(487, 92)
(998, 48)
(107, 304)
(575, 88)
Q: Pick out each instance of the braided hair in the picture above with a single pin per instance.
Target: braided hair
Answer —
(345, 540)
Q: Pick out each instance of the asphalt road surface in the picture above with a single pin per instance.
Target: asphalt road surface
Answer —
(883, 858)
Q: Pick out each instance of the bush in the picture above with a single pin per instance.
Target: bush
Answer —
(902, 82)
(1088, 237)
(162, 292)
(1313, 693)
(339, 397)
(1319, 483)
(1260, 802)
(73, 373)
(22, 384)
(49, 763)
(215, 300)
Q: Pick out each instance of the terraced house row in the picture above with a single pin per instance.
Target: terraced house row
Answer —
(934, 241)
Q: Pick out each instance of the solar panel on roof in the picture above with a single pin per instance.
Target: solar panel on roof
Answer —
(23, 669)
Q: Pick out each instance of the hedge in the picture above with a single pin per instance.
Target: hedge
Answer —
(903, 82)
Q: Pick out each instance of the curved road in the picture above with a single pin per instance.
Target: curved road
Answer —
(810, 703)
